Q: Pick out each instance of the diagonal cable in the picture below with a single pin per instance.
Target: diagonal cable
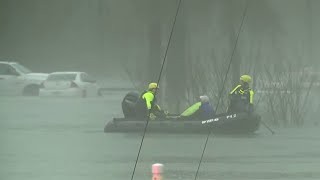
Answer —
(224, 82)
(164, 60)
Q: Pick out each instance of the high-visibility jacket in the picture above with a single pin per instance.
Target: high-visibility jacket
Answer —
(199, 111)
(145, 103)
(240, 98)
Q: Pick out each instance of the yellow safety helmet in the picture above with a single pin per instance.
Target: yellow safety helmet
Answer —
(153, 86)
(245, 78)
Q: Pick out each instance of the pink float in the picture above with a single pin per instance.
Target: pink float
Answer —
(157, 170)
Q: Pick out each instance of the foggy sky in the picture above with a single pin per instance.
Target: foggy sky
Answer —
(100, 35)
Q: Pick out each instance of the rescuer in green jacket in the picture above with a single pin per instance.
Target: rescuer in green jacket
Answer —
(241, 97)
(147, 106)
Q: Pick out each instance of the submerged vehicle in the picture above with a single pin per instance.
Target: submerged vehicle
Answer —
(15, 79)
(70, 84)
(233, 123)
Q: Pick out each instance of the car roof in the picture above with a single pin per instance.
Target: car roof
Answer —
(66, 72)
(8, 62)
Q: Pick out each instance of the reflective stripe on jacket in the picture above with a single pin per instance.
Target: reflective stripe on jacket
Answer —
(244, 95)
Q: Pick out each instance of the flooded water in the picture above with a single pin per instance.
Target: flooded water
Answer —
(63, 139)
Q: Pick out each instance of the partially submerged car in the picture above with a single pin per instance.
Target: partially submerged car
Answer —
(78, 84)
(15, 79)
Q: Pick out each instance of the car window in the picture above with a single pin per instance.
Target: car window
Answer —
(62, 77)
(21, 68)
(86, 78)
(6, 69)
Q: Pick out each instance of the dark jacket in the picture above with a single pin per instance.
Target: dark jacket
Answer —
(206, 111)
(240, 99)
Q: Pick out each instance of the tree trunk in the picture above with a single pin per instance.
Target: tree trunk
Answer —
(154, 61)
(176, 67)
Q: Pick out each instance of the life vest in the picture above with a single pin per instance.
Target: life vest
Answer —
(145, 103)
(240, 98)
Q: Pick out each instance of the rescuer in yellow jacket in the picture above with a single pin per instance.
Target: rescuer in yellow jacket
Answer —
(241, 97)
(147, 106)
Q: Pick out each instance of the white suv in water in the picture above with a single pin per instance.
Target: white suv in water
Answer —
(16, 79)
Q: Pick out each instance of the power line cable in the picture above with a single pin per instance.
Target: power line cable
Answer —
(164, 60)
(223, 85)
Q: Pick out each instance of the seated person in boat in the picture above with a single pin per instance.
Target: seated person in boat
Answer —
(241, 97)
(146, 104)
(201, 110)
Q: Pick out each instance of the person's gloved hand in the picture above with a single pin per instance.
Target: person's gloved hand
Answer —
(152, 116)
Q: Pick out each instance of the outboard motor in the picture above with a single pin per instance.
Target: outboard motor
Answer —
(129, 104)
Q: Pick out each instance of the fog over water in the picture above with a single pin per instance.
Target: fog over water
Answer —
(122, 45)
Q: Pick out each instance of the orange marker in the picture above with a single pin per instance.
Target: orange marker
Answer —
(157, 170)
